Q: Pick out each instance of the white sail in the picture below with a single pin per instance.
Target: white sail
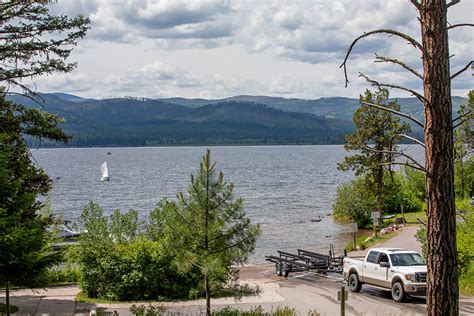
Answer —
(105, 172)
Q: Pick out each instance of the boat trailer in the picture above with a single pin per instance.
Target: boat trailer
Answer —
(306, 260)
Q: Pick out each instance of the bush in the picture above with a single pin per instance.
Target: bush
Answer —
(465, 245)
(258, 311)
(354, 201)
(118, 262)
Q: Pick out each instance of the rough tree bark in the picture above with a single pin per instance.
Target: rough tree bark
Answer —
(442, 289)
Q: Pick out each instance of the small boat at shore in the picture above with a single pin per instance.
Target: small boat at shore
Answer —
(67, 236)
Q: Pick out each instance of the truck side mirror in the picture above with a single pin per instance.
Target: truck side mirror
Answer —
(384, 264)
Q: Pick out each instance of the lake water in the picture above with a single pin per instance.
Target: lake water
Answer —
(283, 187)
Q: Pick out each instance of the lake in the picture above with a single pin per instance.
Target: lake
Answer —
(283, 187)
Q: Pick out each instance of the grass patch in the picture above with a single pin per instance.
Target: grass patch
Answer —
(466, 284)
(411, 217)
(362, 243)
(3, 308)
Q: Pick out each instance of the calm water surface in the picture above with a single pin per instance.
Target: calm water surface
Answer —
(283, 187)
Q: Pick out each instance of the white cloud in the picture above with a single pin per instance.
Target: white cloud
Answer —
(224, 48)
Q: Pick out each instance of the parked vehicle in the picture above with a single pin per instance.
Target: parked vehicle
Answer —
(401, 271)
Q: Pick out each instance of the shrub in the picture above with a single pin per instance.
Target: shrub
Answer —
(465, 245)
(354, 201)
(118, 262)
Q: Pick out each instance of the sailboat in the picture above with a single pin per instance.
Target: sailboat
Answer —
(105, 172)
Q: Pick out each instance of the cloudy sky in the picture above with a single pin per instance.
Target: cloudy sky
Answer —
(215, 49)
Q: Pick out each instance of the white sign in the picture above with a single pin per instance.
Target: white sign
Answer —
(354, 227)
(375, 215)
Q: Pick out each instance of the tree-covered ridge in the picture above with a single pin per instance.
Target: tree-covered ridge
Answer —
(178, 121)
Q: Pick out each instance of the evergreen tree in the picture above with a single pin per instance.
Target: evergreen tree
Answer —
(34, 42)
(209, 229)
(376, 132)
(24, 239)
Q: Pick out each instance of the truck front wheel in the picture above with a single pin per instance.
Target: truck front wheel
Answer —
(398, 292)
(354, 283)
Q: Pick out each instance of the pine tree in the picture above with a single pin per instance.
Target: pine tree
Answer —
(33, 42)
(376, 133)
(209, 229)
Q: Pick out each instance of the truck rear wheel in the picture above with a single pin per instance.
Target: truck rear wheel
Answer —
(398, 292)
(354, 283)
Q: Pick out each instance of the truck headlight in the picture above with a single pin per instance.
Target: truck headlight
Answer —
(410, 277)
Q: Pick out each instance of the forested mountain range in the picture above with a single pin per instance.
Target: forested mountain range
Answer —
(179, 121)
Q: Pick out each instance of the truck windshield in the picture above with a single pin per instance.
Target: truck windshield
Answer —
(407, 259)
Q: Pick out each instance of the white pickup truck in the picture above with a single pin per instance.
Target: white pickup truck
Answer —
(401, 271)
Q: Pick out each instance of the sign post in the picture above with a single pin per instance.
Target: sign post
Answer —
(354, 231)
(342, 296)
(376, 219)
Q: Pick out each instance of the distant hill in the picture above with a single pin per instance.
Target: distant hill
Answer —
(335, 107)
(180, 121)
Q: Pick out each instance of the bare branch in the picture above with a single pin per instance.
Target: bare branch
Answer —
(384, 108)
(381, 59)
(412, 139)
(408, 38)
(462, 70)
(393, 86)
(421, 221)
(459, 25)
(459, 124)
(453, 2)
(461, 116)
(416, 4)
(395, 153)
(404, 164)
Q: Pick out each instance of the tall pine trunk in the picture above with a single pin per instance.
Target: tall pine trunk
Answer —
(442, 287)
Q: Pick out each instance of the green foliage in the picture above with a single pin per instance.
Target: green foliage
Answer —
(25, 242)
(207, 228)
(373, 126)
(118, 262)
(3, 309)
(258, 311)
(464, 147)
(355, 200)
(376, 133)
(63, 273)
(465, 245)
(405, 187)
(35, 42)
(150, 310)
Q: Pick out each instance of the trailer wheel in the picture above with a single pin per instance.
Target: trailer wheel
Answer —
(278, 269)
(285, 270)
(354, 282)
